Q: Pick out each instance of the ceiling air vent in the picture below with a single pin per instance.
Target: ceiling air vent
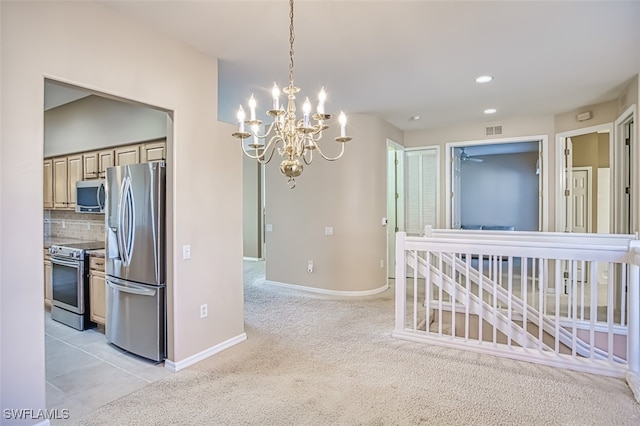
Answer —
(492, 130)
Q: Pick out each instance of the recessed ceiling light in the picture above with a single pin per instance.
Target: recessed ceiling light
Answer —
(415, 117)
(490, 111)
(484, 79)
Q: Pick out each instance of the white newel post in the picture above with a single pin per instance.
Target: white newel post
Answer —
(633, 376)
(401, 282)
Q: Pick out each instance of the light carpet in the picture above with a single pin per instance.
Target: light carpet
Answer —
(319, 360)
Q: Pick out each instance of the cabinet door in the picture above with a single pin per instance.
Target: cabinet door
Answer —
(60, 190)
(47, 283)
(74, 174)
(97, 301)
(154, 151)
(105, 159)
(127, 155)
(91, 164)
(48, 184)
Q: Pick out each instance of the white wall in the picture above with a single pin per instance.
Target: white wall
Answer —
(87, 45)
(502, 190)
(96, 122)
(348, 195)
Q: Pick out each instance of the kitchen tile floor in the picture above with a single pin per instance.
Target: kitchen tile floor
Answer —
(84, 372)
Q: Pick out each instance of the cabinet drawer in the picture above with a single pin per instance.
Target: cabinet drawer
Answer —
(96, 263)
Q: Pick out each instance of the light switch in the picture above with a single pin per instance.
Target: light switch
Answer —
(269, 227)
(328, 230)
(186, 252)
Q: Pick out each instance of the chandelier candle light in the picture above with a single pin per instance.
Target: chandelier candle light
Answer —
(293, 138)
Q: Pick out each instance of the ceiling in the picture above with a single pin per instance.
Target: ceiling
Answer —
(398, 59)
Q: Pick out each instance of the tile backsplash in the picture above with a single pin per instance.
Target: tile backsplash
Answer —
(69, 224)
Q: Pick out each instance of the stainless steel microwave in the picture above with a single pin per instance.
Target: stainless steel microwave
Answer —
(90, 196)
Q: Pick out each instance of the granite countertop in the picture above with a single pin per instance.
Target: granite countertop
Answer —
(49, 241)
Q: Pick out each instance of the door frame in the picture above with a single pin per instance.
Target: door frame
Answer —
(617, 216)
(395, 205)
(543, 145)
(561, 184)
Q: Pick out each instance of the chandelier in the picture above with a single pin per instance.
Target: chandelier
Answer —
(294, 139)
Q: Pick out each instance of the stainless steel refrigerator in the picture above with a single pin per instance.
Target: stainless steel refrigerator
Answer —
(135, 259)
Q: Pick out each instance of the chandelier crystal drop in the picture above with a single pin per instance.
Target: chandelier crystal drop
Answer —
(293, 138)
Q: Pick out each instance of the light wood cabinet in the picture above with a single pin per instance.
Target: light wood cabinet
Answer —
(96, 163)
(91, 165)
(48, 184)
(127, 155)
(65, 171)
(97, 290)
(60, 184)
(153, 151)
(61, 173)
(106, 159)
(47, 279)
(74, 174)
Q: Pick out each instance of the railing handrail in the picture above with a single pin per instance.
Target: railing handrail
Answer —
(588, 247)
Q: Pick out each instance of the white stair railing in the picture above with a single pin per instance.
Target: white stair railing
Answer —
(559, 311)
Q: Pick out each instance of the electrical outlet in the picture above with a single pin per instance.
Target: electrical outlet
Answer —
(186, 252)
(203, 311)
(328, 230)
(88, 226)
(310, 266)
(382, 264)
(64, 225)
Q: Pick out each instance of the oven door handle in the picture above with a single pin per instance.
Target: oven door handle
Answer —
(132, 288)
(61, 262)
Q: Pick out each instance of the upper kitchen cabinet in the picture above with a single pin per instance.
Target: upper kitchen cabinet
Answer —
(74, 174)
(153, 151)
(66, 171)
(127, 155)
(48, 184)
(96, 163)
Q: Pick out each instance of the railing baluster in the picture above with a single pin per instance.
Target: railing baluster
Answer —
(481, 295)
(593, 313)
(623, 298)
(454, 280)
(495, 300)
(541, 296)
(610, 305)
(401, 278)
(427, 292)
(415, 290)
(441, 278)
(582, 284)
(468, 296)
(510, 296)
(559, 284)
(524, 289)
(574, 307)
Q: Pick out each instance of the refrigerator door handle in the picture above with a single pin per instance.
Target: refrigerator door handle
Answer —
(131, 234)
(119, 229)
(131, 288)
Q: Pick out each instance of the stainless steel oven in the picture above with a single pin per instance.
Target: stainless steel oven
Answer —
(70, 283)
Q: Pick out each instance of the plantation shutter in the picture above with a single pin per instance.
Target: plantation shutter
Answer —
(421, 190)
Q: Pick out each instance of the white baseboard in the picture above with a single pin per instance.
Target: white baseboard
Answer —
(253, 259)
(633, 380)
(177, 366)
(329, 292)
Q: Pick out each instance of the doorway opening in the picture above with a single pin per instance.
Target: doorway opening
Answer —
(395, 201)
(497, 183)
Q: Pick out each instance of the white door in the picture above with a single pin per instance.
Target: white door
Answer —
(581, 200)
(395, 202)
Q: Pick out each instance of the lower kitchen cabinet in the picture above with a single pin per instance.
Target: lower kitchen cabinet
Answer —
(97, 294)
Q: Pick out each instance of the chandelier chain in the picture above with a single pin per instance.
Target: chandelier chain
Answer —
(291, 38)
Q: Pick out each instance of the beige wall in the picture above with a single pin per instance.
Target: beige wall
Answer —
(60, 40)
(96, 122)
(529, 126)
(602, 113)
(348, 195)
(251, 207)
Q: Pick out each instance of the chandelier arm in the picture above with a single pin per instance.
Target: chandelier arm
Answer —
(267, 133)
(330, 158)
(260, 157)
(304, 157)
(271, 146)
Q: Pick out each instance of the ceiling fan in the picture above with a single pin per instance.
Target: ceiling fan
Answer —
(465, 157)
